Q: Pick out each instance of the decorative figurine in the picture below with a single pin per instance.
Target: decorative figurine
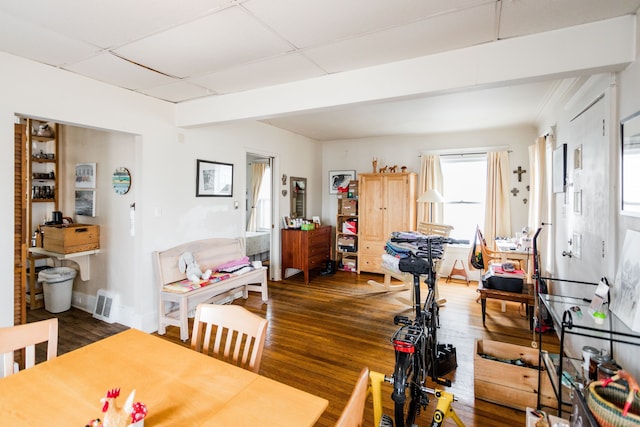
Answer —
(374, 163)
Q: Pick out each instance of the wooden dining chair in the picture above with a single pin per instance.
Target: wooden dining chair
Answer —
(353, 412)
(26, 336)
(230, 333)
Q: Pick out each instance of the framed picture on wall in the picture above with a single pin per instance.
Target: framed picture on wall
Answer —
(85, 175)
(559, 168)
(626, 288)
(339, 179)
(85, 203)
(214, 179)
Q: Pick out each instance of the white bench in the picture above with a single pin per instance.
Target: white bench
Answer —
(209, 253)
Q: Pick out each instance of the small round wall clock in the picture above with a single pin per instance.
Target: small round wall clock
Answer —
(121, 180)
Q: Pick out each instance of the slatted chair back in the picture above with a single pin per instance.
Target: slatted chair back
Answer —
(230, 333)
(353, 412)
(26, 336)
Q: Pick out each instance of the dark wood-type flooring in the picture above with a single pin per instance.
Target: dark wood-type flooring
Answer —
(321, 335)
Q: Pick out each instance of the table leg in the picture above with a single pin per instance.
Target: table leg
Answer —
(483, 302)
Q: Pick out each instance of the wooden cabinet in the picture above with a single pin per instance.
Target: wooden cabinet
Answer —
(305, 250)
(386, 203)
(42, 190)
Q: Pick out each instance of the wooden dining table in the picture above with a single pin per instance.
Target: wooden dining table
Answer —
(179, 386)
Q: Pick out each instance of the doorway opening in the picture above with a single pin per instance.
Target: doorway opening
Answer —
(259, 206)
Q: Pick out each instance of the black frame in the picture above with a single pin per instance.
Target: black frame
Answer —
(208, 174)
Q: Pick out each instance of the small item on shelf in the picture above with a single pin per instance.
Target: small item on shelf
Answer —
(599, 317)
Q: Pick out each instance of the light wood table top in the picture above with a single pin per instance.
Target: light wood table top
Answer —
(179, 386)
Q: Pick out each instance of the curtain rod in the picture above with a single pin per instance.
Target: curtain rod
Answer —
(462, 152)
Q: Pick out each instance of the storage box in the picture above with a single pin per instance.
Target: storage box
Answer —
(349, 263)
(350, 226)
(353, 189)
(348, 207)
(70, 238)
(508, 384)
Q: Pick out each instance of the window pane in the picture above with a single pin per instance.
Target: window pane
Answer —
(263, 206)
(464, 189)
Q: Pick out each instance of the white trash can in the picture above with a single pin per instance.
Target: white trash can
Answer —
(58, 288)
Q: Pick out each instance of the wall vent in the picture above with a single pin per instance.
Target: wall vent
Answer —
(106, 304)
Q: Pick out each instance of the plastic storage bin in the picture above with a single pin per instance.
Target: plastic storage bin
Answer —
(58, 288)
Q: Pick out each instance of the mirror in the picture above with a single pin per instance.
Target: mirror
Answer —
(298, 197)
(630, 165)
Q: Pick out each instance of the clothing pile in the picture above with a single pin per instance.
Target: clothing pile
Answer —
(402, 243)
(237, 267)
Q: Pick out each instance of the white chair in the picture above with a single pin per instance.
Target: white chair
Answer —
(26, 337)
(353, 412)
(239, 335)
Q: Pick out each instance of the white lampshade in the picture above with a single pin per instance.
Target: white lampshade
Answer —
(431, 196)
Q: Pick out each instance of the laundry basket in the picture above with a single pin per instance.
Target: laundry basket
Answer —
(57, 287)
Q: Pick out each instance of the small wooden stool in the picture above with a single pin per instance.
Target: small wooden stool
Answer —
(455, 271)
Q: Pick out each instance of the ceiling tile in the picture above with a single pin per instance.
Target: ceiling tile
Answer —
(282, 69)
(523, 17)
(310, 22)
(177, 92)
(24, 39)
(209, 44)
(110, 69)
(111, 23)
(433, 35)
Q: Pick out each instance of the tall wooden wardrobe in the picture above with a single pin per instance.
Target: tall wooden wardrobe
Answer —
(386, 203)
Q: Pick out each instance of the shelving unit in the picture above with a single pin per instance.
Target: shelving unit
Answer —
(346, 238)
(569, 368)
(41, 152)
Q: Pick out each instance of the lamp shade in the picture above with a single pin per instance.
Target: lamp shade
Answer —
(431, 196)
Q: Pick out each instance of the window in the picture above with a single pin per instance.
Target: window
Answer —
(464, 189)
(263, 206)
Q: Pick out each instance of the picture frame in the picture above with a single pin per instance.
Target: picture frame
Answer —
(85, 203)
(340, 178)
(577, 202)
(214, 179)
(626, 288)
(630, 165)
(559, 169)
(85, 175)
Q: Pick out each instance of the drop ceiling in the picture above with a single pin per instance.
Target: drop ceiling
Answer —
(180, 51)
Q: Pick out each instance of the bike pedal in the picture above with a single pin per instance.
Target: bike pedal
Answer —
(400, 320)
(385, 421)
(443, 381)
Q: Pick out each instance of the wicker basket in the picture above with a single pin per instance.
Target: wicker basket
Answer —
(606, 400)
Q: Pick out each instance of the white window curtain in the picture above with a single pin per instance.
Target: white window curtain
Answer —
(497, 220)
(430, 178)
(257, 172)
(539, 194)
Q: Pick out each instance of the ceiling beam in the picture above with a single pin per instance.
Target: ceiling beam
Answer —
(576, 51)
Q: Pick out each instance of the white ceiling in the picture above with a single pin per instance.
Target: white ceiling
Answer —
(182, 50)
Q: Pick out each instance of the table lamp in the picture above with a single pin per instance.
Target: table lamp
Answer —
(431, 196)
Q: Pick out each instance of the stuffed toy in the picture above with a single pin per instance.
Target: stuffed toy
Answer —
(187, 264)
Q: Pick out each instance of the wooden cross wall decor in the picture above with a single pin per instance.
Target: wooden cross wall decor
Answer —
(519, 171)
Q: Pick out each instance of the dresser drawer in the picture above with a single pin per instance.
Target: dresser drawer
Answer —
(371, 248)
(370, 263)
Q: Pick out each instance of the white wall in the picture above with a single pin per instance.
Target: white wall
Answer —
(162, 161)
(357, 154)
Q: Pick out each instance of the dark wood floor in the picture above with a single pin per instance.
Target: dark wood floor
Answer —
(320, 336)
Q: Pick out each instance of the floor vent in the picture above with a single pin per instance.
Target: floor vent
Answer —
(106, 304)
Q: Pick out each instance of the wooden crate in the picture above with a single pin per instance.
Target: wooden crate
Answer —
(70, 238)
(506, 384)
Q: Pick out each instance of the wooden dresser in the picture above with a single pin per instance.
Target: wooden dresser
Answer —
(305, 250)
